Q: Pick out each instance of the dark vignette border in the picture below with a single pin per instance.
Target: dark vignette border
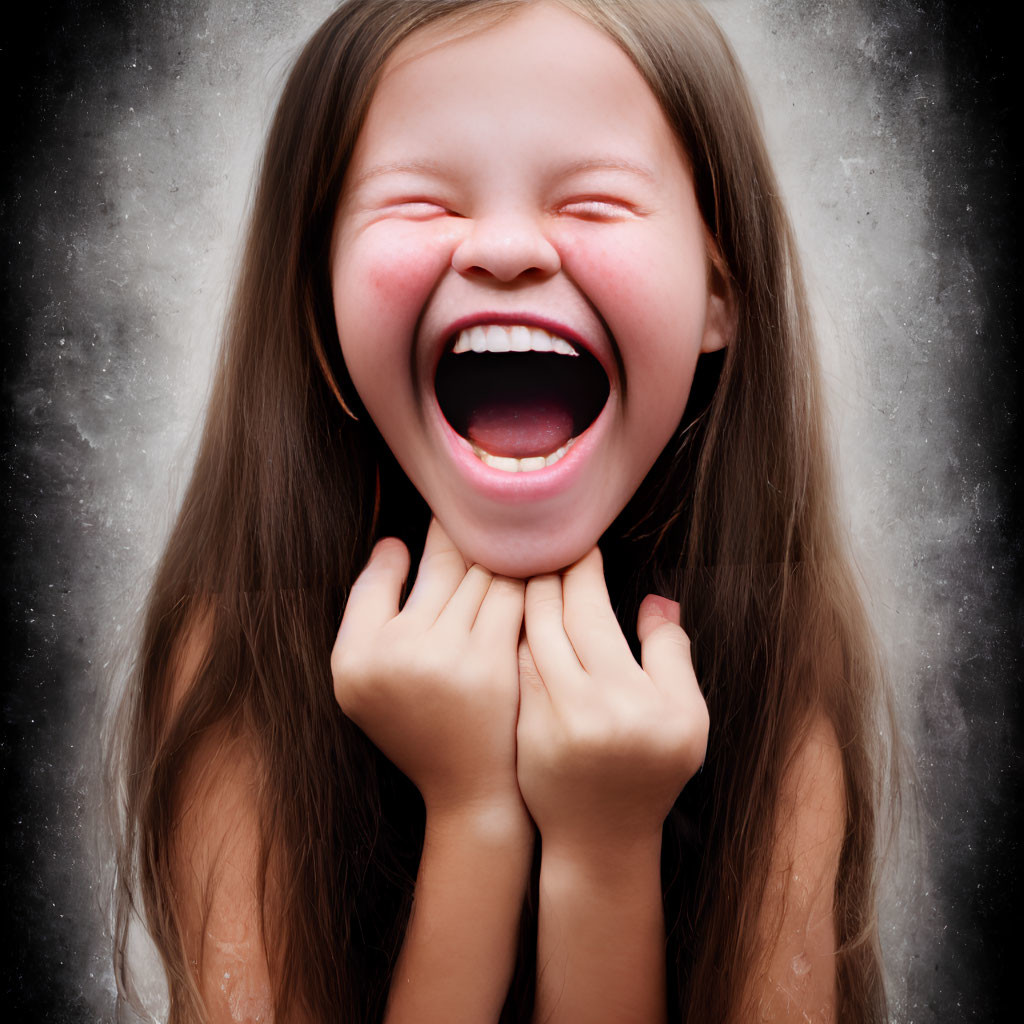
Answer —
(65, 51)
(63, 64)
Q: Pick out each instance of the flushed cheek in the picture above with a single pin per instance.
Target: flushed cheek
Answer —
(614, 264)
(638, 282)
(396, 273)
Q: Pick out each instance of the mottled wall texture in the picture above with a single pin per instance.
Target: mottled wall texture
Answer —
(133, 128)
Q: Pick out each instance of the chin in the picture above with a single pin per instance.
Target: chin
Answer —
(522, 556)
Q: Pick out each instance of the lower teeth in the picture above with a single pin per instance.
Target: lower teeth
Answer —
(527, 465)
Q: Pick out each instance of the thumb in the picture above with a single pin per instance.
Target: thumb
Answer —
(664, 647)
(654, 611)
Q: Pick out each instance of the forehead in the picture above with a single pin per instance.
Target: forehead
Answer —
(539, 70)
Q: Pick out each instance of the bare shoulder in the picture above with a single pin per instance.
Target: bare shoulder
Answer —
(215, 867)
(812, 805)
(796, 926)
(189, 654)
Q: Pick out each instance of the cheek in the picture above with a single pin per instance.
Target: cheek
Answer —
(651, 290)
(381, 282)
(388, 275)
(664, 396)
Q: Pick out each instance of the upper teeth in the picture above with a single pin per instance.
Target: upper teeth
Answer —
(497, 338)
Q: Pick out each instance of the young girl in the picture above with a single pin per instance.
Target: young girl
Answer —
(518, 378)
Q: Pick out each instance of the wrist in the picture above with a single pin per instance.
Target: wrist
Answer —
(481, 849)
(500, 822)
(608, 862)
(601, 932)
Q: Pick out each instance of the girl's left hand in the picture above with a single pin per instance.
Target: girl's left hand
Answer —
(605, 746)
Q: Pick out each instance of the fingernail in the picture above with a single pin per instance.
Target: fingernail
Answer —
(666, 609)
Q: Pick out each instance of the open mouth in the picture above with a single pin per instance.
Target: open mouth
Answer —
(518, 395)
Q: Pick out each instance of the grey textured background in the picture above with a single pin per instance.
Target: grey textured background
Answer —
(133, 130)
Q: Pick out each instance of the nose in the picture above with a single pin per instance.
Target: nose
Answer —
(506, 247)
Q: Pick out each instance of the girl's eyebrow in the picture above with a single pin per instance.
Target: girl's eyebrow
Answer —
(432, 167)
(602, 163)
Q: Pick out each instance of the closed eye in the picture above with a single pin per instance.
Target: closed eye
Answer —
(418, 209)
(598, 208)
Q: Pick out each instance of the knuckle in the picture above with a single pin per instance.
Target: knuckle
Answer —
(676, 634)
(702, 717)
(511, 583)
(671, 635)
(688, 721)
(442, 560)
(337, 659)
(544, 603)
(350, 691)
(693, 713)
(344, 663)
(688, 739)
(388, 554)
(504, 587)
(476, 569)
(392, 547)
(544, 590)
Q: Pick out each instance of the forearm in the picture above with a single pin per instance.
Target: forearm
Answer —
(601, 936)
(460, 945)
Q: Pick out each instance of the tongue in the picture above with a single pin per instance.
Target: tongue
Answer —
(519, 430)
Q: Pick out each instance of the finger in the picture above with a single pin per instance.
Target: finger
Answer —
(464, 605)
(664, 647)
(531, 683)
(374, 597)
(590, 621)
(500, 618)
(440, 572)
(552, 652)
(534, 701)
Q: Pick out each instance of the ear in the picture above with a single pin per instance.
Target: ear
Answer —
(720, 324)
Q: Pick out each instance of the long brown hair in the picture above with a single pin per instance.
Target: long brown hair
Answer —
(292, 485)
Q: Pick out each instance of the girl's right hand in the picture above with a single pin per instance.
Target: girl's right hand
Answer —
(435, 685)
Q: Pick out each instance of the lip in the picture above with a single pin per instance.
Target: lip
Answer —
(536, 485)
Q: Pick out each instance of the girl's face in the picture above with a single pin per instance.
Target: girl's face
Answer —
(518, 188)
